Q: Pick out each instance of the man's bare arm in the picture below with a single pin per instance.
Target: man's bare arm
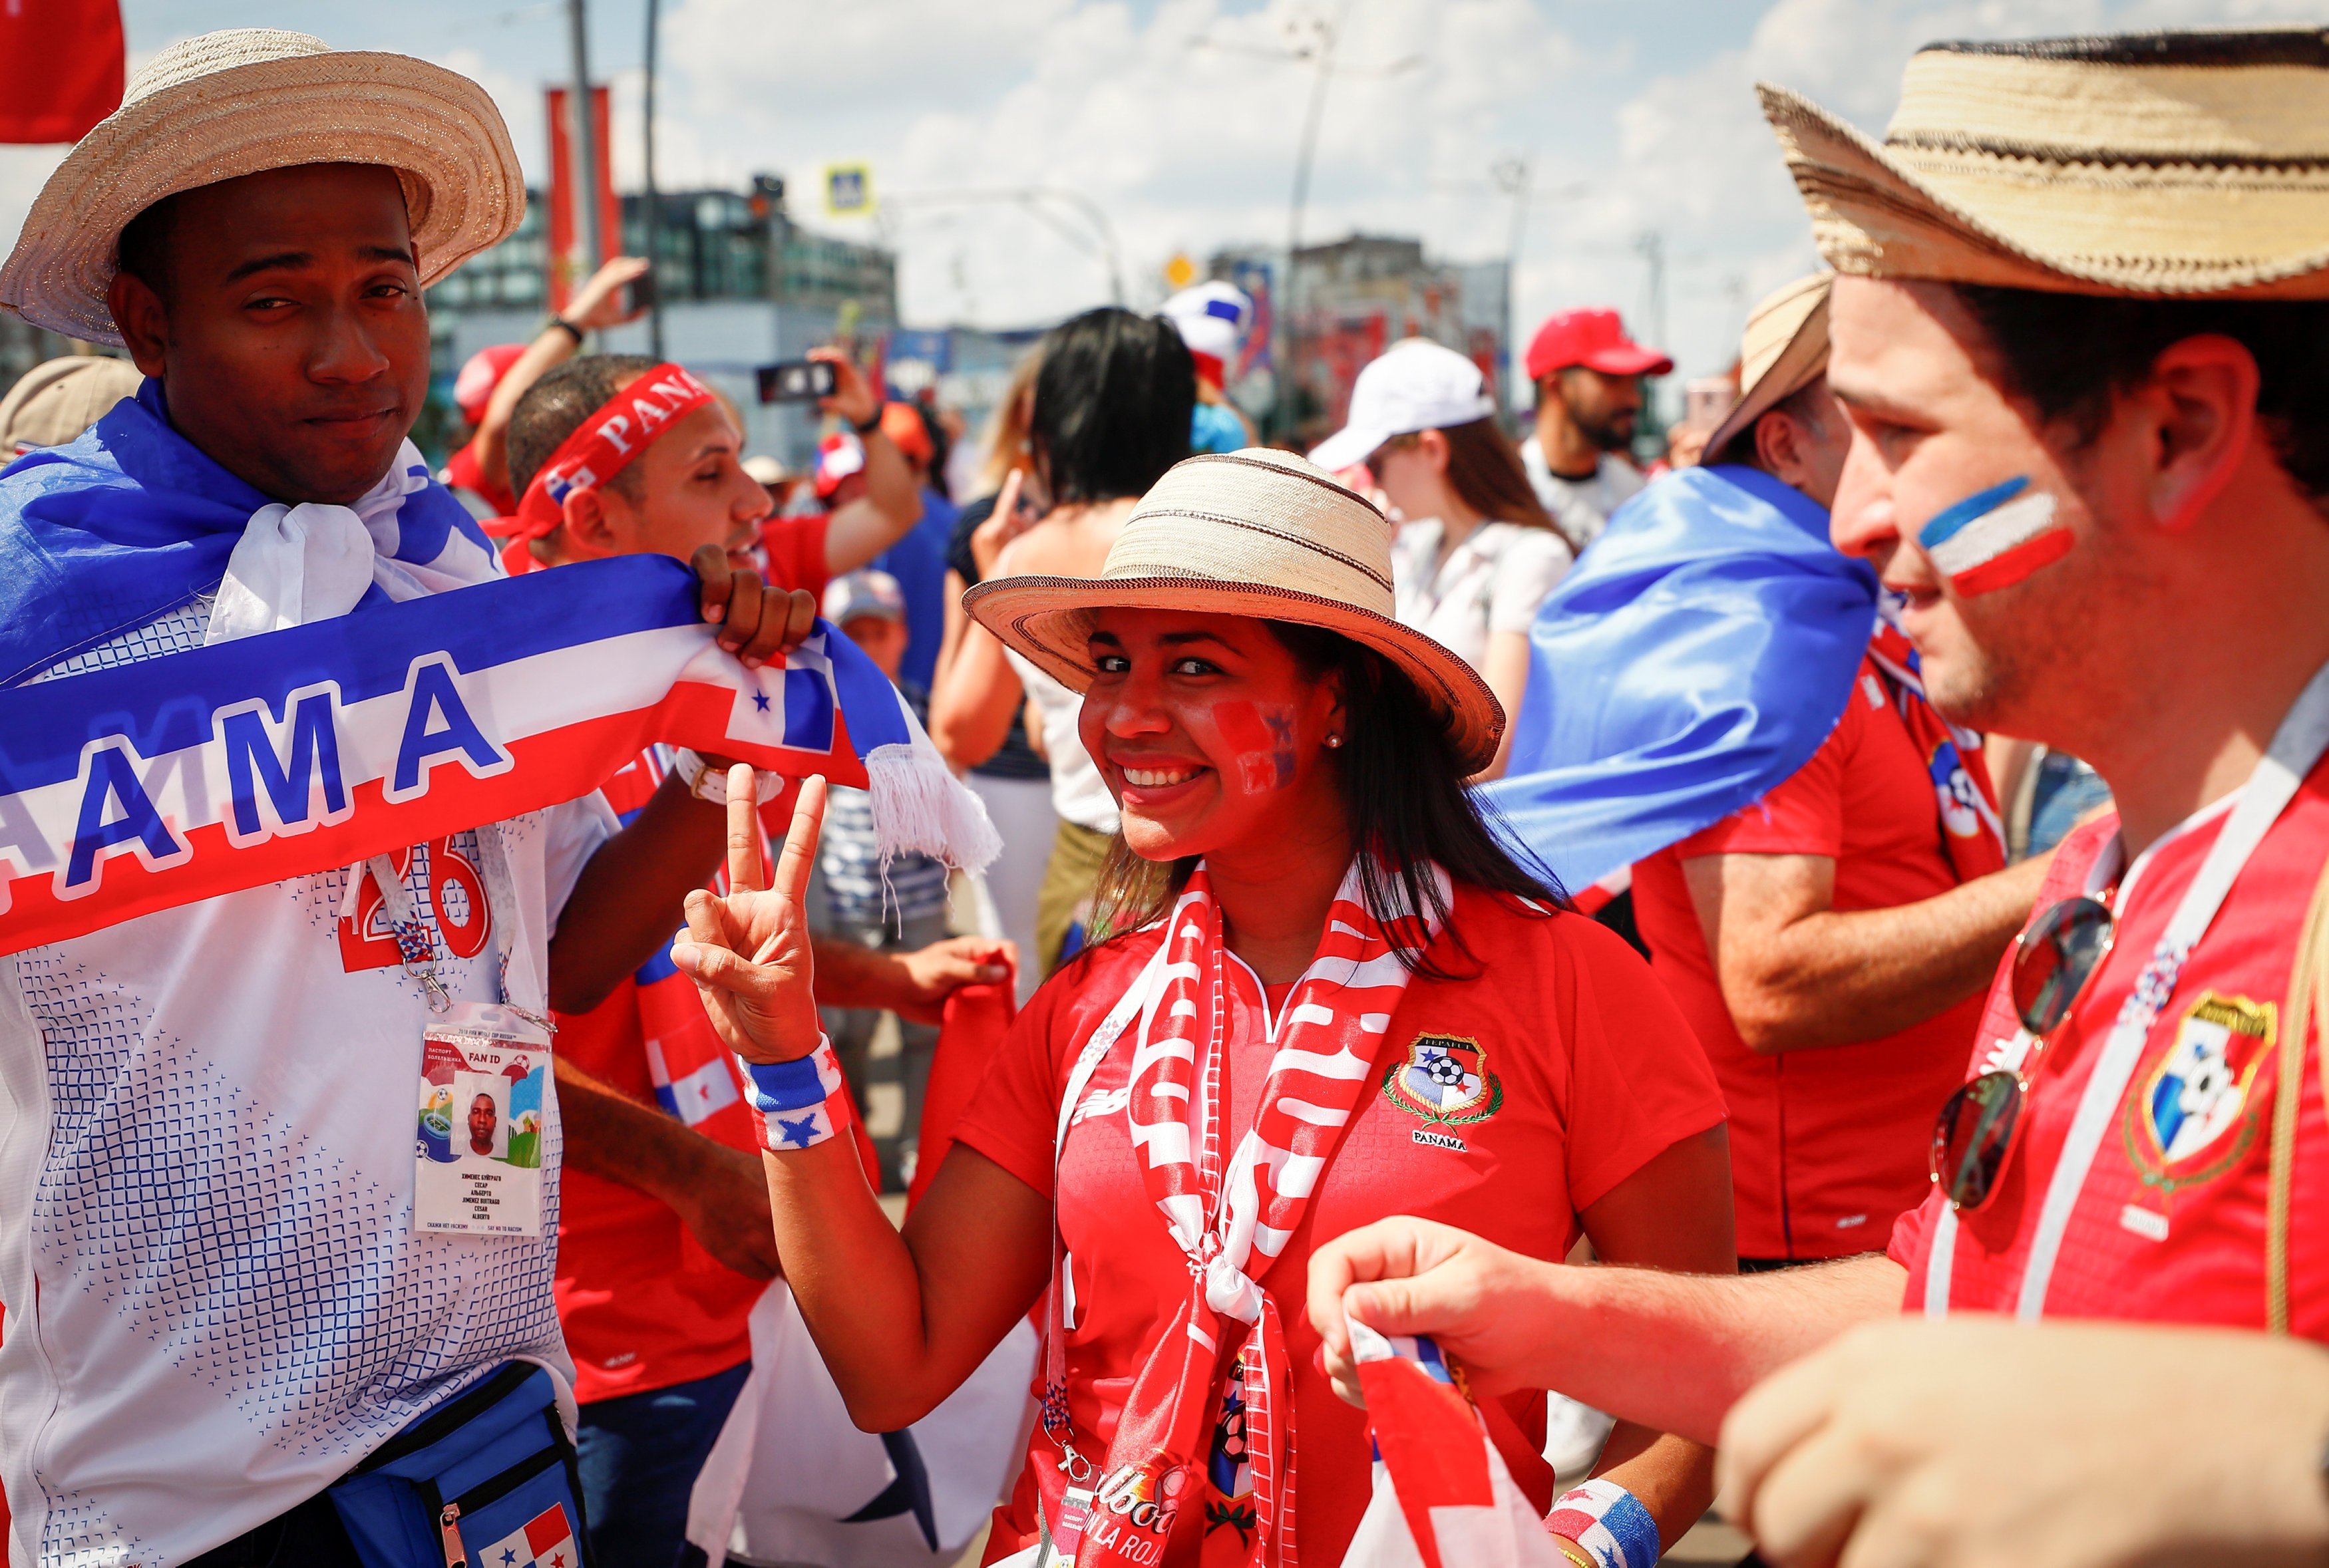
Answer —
(1797, 974)
(719, 1192)
(1671, 1352)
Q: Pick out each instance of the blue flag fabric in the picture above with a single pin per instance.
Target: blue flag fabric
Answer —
(1699, 653)
(132, 521)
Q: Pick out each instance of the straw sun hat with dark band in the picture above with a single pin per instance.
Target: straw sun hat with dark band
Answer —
(1257, 533)
(249, 100)
(2171, 163)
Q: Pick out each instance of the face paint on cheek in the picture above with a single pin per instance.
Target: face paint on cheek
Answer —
(1262, 735)
(1995, 538)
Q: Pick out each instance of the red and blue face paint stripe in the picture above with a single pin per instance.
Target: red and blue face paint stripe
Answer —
(1994, 538)
(158, 784)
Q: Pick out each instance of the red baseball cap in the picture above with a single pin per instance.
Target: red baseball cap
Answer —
(1595, 339)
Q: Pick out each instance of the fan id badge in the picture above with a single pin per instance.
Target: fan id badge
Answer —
(483, 1103)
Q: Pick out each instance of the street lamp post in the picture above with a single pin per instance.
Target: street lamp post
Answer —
(584, 163)
(651, 203)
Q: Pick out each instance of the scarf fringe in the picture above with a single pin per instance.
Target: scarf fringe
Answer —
(919, 807)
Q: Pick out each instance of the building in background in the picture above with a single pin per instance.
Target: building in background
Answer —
(1351, 300)
(742, 286)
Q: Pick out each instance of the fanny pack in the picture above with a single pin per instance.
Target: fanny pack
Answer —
(490, 1479)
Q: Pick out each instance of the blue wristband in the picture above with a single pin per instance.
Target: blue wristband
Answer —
(1608, 1523)
(793, 1085)
(793, 1100)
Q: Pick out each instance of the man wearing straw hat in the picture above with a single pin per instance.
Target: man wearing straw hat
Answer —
(1818, 871)
(233, 1336)
(2082, 331)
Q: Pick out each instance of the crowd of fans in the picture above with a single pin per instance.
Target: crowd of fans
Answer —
(1466, 881)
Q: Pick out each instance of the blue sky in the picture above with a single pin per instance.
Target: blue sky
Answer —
(1638, 117)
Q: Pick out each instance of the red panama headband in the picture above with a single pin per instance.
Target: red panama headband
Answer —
(621, 428)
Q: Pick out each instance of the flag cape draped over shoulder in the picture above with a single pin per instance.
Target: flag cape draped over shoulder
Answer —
(182, 778)
(108, 533)
(1697, 656)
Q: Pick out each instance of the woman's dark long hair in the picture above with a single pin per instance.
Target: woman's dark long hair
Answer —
(1403, 795)
(1113, 403)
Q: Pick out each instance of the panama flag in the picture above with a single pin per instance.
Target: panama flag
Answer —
(158, 783)
(546, 1541)
(1994, 538)
(1443, 1497)
(694, 1097)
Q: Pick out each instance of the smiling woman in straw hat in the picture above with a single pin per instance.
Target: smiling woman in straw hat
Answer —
(1328, 969)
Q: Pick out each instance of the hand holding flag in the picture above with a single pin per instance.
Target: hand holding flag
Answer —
(749, 951)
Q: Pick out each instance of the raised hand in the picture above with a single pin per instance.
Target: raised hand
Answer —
(749, 951)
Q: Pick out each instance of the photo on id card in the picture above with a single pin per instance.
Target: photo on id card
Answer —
(484, 1075)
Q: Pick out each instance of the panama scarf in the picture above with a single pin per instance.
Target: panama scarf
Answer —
(1233, 1222)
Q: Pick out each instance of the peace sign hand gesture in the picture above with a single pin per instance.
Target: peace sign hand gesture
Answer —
(749, 953)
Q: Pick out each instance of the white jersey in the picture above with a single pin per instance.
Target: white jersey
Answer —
(1494, 581)
(1581, 506)
(217, 1303)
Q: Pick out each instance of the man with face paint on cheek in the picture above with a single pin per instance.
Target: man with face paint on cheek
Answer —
(2090, 397)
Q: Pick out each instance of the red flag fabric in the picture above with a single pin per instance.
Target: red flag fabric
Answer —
(62, 68)
(976, 1019)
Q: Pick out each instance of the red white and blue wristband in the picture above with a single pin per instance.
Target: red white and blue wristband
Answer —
(797, 1103)
(1608, 1523)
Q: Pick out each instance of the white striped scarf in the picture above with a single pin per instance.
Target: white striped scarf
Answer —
(1234, 1224)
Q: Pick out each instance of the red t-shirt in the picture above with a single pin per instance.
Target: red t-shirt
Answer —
(464, 472)
(795, 547)
(1593, 1073)
(2169, 1225)
(1827, 1144)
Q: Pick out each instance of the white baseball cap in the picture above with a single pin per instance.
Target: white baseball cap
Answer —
(1416, 385)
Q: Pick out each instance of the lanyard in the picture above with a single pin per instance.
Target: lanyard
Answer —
(416, 948)
(2297, 747)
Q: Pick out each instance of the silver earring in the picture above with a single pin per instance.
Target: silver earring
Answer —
(1334, 740)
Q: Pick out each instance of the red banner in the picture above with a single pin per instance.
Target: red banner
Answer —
(60, 68)
(565, 273)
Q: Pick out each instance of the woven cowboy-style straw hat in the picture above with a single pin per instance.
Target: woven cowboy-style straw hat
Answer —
(1783, 350)
(2172, 164)
(1258, 534)
(249, 100)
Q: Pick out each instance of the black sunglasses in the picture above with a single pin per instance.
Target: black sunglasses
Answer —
(2052, 962)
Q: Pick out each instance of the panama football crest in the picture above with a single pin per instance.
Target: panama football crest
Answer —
(2191, 1120)
(1964, 810)
(1445, 1079)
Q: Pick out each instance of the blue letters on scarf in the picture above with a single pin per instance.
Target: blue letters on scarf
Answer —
(1699, 653)
(132, 521)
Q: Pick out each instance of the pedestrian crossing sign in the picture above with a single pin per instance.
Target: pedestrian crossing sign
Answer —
(849, 191)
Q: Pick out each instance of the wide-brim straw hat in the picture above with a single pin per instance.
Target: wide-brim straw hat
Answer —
(2167, 164)
(1259, 534)
(243, 101)
(1783, 350)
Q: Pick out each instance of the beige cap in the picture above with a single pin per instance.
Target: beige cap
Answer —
(53, 402)
(1783, 350)
(2174, 164)
(249, 100)
(1261, 533)
(766, 470)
